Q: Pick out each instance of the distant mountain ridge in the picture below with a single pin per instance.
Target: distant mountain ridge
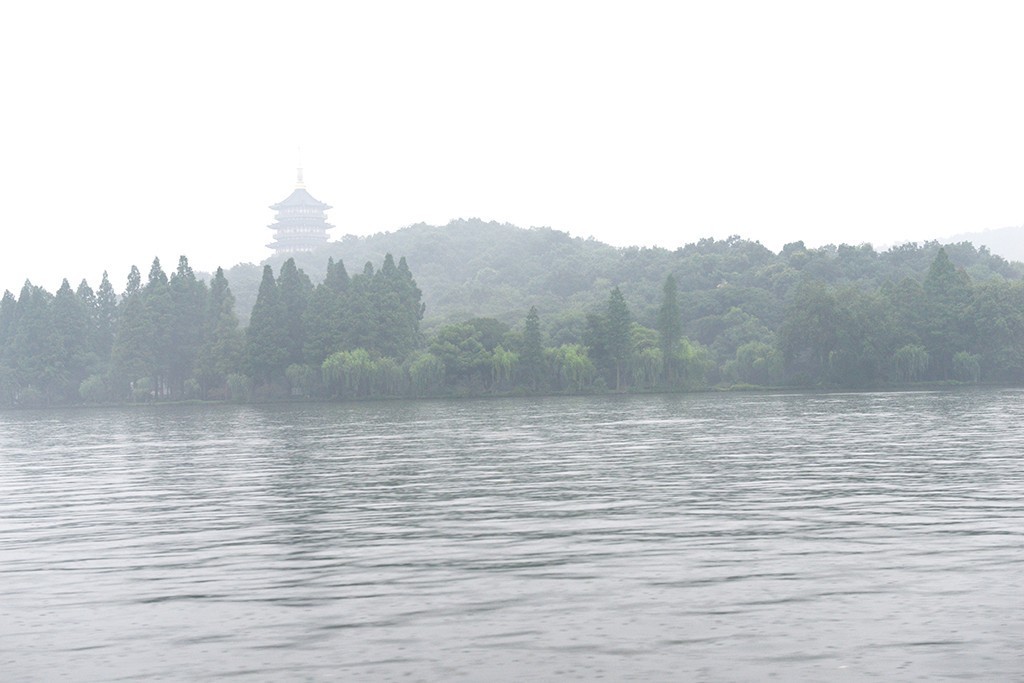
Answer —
(472, 268)
(1005, 242)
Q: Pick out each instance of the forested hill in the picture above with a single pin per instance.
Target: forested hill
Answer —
(1007, 242)
(474, 308)
(470, 268)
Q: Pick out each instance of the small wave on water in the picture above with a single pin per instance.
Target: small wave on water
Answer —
(735, 537)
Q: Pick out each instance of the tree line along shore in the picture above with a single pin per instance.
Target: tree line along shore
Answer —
(724, 314)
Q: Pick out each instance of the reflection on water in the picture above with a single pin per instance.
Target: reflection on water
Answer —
(737, 537)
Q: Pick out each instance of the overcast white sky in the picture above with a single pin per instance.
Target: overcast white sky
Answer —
(134, 129)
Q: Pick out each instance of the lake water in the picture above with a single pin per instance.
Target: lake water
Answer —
(708, 537)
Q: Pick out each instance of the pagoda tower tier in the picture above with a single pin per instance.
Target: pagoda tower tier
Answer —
(301, 222)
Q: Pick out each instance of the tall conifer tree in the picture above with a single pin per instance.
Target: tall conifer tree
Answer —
(159, 309)
(132, 353)
(221, 352)
(324, 316)
(71, 326)
(295, 290)
(617, 334)
(187, 329)
(106, 318)
(267, 335)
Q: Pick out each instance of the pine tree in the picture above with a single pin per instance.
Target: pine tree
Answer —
(410, 301)
(385, 302)
(132, 355)
(617, 334)
(8, 382)
(106, 318)
(360, 322)
(267, 336)
(86, 294)
(947, 296)
(134, 282)
(70, 320)
(36, 351)
(159, 313)
(157, 276)
(186, 333)
(222, 349)
(295, 290)
(90, 304)
(324, 317)
(337, 279)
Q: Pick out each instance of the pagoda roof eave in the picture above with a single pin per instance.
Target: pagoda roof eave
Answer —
(300, 197)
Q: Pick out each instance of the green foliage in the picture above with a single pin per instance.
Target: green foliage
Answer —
(571, 367)
(187, 325)
(93, 389)
(502, 365)
(131, 356)
(997, 314)
(239, 387)
(143, 390)
(646, 363)
(694, 363)
(397, 301)
(324, 317)
(267, 339)
(294, 292)
(945, 328)
(426, 374)
(809, 334)
(670, 329)
(717, 312)
(39, 362)
(8, 375)
(966, 366)
(617, 337)
(466, 362)
(531, 354)
(73, 330)
(863, 304)
(221, 351)
(105, 317)
(350, 374)
(303, 380)
(755, 364)
(910, 363)
(156, 325)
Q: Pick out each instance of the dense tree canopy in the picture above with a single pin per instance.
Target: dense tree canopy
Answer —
(521, 311)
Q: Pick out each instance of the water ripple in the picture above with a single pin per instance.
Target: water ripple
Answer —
(741, 537)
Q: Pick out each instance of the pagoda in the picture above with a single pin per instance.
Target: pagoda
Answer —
(300, 223)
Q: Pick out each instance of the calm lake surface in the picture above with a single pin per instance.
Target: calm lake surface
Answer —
(707, 537)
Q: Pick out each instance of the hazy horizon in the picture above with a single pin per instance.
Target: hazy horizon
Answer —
(118, 273)
(137, 131)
